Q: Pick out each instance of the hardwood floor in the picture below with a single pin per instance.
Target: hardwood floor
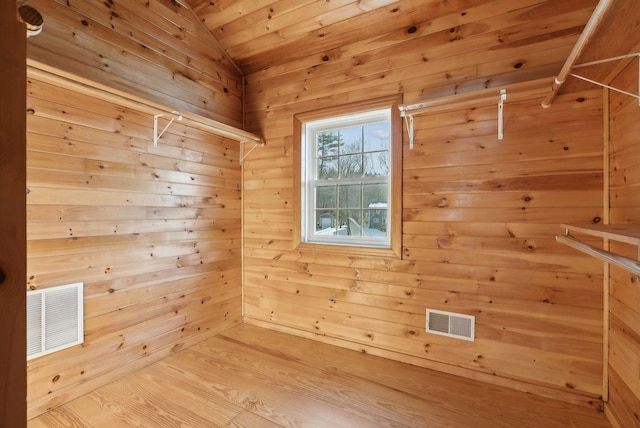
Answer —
(252, 377)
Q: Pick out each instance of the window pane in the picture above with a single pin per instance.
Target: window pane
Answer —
(327, 168)
(352, 219)
(326, 196)
(376, 222)
(375, 195)
(376, 137)
(349, 196)
(325, 222)
(327, 143)
(351, 166)
(376, 164)
(350, 140)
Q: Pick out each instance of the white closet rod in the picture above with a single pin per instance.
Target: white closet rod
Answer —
(586, 35)
(449, 102)
(408, 111)
(211, 125)
(631, 265)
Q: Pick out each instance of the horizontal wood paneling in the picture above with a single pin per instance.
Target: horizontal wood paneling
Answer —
(153, 232)
(479, 220)
(156, 50)
(624, 293)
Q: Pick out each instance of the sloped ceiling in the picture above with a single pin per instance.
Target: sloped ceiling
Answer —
(259, 34)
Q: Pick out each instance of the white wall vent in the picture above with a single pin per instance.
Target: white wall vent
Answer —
(55, 319)
(449, 324)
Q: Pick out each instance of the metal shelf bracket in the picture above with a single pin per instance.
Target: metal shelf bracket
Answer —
(503, 97)
(577, 76)
(156, 135)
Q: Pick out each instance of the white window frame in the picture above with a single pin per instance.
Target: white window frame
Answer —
(308, 164)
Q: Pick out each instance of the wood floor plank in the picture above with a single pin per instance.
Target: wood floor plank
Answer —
(465, 403)
(61, 417)
(187, 398)
(333, 386)
(250, 420)
(252, 386)
(251, 377)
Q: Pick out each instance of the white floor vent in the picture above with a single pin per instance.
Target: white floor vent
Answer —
(451, 324)
(55, 318)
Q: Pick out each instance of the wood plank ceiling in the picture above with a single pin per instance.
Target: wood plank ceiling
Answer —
(261, 34)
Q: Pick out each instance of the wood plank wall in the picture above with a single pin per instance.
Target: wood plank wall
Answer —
(624, 293)
(479, 221)
(13, 254)
(154, 49)
(153, 232)
(488, 250)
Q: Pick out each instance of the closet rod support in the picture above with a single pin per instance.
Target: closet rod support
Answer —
(156, 135)
(256, 145)
(408, 122)
(503, 97)
(637, 96)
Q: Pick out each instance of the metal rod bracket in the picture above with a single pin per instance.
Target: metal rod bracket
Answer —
(503, 97)
(156, 135)
(242, 158)
(408, 121)
(577, 76)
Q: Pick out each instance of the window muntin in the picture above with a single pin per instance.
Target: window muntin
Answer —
(346, 179)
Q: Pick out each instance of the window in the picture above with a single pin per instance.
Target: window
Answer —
(348, 177)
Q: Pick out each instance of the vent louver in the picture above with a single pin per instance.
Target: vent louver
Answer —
(451, 324)
(55, 317)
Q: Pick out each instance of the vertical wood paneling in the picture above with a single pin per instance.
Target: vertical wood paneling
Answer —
(624, 293)
(479, 220)
(153, 232)
(13, 384)
(153, 49)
